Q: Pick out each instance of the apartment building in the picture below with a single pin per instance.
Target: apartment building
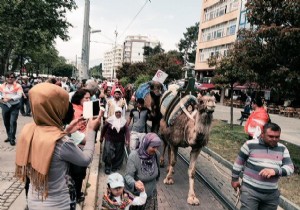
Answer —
(220, 21)
(134, 47)
(112, 61)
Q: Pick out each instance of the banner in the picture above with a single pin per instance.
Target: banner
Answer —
(160, 76)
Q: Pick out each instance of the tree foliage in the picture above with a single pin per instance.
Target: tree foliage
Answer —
(26, 26)
(170, 62)
(96, 71)
(272, 47)
(189, 42)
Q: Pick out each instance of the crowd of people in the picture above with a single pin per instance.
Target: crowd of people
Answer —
(59, 145)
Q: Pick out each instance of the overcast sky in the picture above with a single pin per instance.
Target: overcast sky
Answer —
(165, 20)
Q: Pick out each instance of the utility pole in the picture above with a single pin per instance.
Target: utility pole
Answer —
(83, 73)
(114, 51)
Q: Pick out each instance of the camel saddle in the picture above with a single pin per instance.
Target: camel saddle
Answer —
(174, 102)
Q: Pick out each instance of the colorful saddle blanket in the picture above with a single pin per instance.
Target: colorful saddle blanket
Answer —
(172, 104)
(143, 90)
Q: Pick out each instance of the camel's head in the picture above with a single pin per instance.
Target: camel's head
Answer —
(156, 88)
(206, 104)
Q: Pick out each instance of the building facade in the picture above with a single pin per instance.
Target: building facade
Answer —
(134, 48)
(220, 21)
(113, 59)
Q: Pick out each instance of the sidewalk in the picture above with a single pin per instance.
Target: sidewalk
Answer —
(290, 127)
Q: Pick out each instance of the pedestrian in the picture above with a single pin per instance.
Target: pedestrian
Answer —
(139, 117)
(247, 107)
(77, 172)
(25, 103)
(143, 167)
(10, 96)
(112, 104)
(257, 119)
(264, 161)
(116, 197)
(44, 149)
(116, 134)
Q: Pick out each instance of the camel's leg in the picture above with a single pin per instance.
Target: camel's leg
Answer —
(172, 162)
(162, 157)
(192, 199)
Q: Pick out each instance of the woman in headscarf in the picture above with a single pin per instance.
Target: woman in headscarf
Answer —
(44, 149)
(143, 167)
(78, 173)
(116, 134)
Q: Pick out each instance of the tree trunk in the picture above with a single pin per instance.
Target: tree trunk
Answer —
(222, 95)
(231, 106)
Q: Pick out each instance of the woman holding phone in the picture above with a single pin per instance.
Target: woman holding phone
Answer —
(78, 173)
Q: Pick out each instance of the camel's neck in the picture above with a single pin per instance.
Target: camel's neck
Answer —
(203, 122)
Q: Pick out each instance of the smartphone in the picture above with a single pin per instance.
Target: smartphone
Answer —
(91, 109)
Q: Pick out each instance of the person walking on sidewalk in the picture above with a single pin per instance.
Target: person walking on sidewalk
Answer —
(116, 134)
(10, 96)
(257, 119)
(139, 116)
(25, 103)
(44, 149)
(143, 167)
(264, 161)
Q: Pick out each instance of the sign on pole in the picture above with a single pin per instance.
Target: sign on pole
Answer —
(160, 76)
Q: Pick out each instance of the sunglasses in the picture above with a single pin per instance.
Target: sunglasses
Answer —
(10, 77)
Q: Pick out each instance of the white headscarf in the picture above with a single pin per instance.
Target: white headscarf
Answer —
(115, 122)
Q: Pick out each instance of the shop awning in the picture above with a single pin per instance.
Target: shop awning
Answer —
(206, 86)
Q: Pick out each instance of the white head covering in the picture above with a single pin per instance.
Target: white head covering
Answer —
(115, 122)
(118, 109)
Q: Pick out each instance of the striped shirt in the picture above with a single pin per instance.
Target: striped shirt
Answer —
(254, 156)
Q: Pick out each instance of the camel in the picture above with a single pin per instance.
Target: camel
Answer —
(190, 128)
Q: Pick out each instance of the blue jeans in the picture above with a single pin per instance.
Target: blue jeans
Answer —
(10, 117)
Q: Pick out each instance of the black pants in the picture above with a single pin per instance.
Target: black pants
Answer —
(78, 174)
(10, 117)
(25, 106)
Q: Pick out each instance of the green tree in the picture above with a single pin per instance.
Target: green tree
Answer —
(272, 47)
(28, 25)
(96, 71)
(189, 42)
(228, 70)
(63, 70)
(149, 51)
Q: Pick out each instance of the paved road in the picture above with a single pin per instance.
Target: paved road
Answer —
(173, 197)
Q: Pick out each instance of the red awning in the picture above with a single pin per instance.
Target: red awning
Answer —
(206, 86)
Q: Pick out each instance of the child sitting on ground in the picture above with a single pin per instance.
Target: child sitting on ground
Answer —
(117, 198)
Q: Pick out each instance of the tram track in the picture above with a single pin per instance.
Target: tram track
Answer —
(201, 177)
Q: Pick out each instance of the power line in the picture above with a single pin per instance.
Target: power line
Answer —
(135, 17)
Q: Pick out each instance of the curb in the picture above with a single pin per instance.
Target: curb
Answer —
(283, 202)
(90, 184)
